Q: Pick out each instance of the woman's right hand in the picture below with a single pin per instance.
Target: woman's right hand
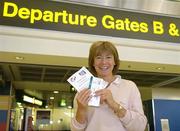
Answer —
(82, 98)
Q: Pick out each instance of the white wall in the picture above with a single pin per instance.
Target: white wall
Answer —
(159, 93)
(166, 93)
(26, 40)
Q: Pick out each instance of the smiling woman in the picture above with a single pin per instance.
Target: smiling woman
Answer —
(121, 105)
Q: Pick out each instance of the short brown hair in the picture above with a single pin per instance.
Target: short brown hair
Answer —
(99, 47)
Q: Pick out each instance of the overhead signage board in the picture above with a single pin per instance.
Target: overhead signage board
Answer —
(78, 18)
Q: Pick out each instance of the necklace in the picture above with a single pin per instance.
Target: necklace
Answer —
(109, 83)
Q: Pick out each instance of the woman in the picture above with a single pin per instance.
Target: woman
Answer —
(121, 105)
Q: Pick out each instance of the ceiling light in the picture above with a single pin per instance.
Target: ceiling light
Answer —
(19, 58)
(160, 68)
(19, 103)
(28, 99)
(32, 100)
(51, 122)
(69, 107)
(72, 89)
(56, 92)
(38, 102)
(52, 98)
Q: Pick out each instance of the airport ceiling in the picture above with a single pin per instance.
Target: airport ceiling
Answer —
(31, 76)
(167, 7)
(50, 76)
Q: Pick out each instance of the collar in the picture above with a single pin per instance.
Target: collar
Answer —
(117, 80)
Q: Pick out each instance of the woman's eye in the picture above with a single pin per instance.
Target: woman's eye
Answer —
(105, 57)
(109, 57)
(98, 57)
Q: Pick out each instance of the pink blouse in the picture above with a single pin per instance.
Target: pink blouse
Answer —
(103, 118)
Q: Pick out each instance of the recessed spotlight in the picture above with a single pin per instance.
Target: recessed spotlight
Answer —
(69, 107)
(129, 66)
(19, 58)
(160, 68)
(72, 89)
(52, 98)
(56, 92)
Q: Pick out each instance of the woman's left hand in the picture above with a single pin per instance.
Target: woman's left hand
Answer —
(106, 96)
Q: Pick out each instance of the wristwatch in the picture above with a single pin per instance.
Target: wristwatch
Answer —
(118, 109)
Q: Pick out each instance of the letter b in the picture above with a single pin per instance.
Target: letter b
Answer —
(158, 27)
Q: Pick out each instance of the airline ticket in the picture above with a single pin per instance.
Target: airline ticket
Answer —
(84, 79)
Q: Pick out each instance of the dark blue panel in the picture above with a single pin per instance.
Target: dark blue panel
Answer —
(3, 116)
(167, 109)
(5, 88)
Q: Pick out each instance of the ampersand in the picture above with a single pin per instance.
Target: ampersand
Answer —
(173, 31)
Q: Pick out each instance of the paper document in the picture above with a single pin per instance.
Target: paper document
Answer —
(96, 84)
(84, 79)
(80, 79)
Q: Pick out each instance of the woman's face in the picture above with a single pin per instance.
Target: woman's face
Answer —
(104, 64)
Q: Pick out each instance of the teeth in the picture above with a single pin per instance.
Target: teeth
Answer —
(104, 68)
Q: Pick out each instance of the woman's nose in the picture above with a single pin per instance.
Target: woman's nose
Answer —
(103, 59)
